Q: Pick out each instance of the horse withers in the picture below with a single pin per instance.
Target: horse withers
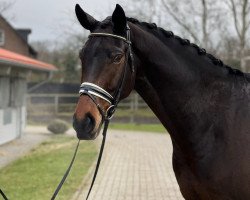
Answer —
(203, 103)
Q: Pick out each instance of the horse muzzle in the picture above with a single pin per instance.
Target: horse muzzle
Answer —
(86, 119)
(85, 128)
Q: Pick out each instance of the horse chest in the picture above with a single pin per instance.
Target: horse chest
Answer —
(209, 182)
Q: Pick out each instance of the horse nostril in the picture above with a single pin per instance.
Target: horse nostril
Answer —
(84, 127)
(89, 123)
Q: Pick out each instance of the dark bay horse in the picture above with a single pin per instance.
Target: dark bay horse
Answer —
(204, 104)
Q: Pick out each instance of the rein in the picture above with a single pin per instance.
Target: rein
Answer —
(92, 90)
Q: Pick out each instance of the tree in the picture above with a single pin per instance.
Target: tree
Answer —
(208, 23)
(64, 55)
(200, 19)
(144, 10)
(5, 5)
(240, 10)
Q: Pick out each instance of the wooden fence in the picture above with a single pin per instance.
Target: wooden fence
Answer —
(132, 109)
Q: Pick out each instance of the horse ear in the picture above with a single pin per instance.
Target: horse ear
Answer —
(119, 20)
(87, 21)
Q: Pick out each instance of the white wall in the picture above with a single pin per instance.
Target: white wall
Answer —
(12, 108)
(8, 130)
(12, 128)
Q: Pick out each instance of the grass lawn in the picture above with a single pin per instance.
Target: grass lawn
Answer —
(36, 175)
(158, 128)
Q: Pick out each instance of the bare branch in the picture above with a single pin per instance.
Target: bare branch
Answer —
(248, 25)
(204, 23)
(5, 5)
(235, 17)
(180, 22)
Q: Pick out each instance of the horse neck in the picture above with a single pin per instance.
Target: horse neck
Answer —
(171, 83)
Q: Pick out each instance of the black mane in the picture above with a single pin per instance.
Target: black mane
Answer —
(186, 42)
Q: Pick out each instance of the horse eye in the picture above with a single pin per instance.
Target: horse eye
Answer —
(117, 59)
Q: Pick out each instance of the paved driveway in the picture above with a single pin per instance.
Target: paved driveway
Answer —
(135, 166)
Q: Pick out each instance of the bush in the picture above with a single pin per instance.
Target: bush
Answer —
(58, 126)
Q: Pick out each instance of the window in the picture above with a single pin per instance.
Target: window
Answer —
(1, 37)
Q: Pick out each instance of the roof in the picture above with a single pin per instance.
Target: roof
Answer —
(55, 88)
(17, 60)
(31, 50)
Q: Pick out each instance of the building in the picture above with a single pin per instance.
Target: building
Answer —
(14, 71)
(17, 64)
(15, 40)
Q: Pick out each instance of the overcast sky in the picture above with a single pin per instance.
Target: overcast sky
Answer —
(49, 19)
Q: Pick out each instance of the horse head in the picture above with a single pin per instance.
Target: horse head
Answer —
(107, 71)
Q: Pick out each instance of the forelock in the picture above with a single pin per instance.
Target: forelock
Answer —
(106, 22)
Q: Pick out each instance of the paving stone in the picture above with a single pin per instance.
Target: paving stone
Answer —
(135, 166)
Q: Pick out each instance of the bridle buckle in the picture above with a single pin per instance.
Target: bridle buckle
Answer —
(110, 112)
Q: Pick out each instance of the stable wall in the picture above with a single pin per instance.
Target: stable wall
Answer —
(12, 108)
(12, 123)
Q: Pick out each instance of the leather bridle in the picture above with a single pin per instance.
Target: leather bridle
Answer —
(94, 91)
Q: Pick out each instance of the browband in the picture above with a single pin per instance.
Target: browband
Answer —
(110, 35)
